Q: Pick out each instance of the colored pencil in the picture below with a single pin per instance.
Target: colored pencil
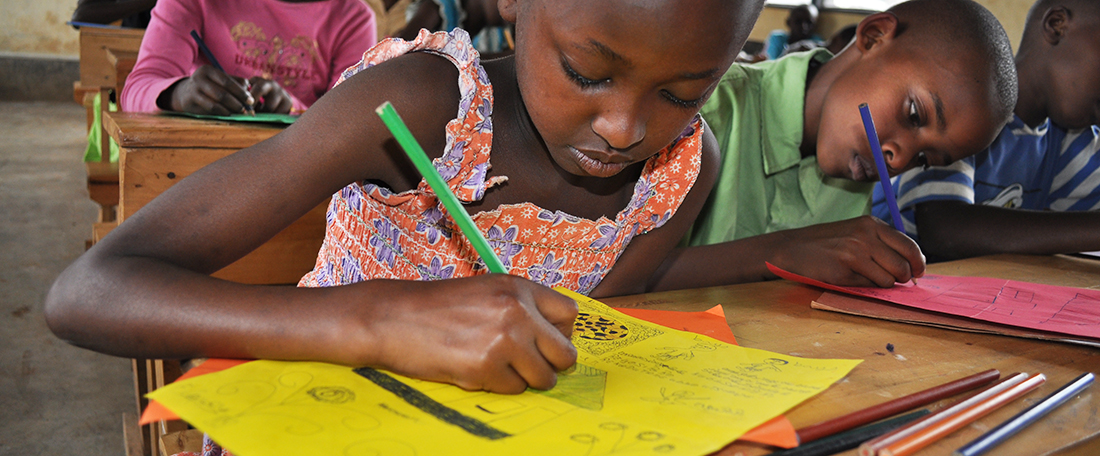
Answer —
(850, 439)
(929, 435)
(871, 447)
(435, 181)
(249, 109)
(883, 173)
(901, 404)
(1009, 428)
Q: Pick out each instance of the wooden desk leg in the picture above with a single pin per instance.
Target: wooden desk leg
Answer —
(166, 372)
(141, 387)
(131, 435)
(104, 138)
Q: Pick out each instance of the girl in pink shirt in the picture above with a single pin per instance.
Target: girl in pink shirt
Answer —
(289, 52)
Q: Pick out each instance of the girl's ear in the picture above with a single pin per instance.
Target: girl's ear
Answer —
(1055, 21)
(507, 10)
(875, 30)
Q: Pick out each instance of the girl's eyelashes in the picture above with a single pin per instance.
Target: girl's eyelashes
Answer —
(581, 81)
(585, 83)
(686, 104)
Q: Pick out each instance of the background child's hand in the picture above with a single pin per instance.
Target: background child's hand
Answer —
(209, 91)
(493, 332)
(863, 251)
(270, 96)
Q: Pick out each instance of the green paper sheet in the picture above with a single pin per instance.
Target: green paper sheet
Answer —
(639, 388)
(260, 117)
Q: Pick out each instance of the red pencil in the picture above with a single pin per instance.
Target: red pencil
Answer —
(915, 442)
(901, 404)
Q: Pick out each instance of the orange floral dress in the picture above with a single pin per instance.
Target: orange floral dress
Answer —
(374, 233)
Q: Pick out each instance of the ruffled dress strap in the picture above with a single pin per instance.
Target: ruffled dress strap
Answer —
(472, 127)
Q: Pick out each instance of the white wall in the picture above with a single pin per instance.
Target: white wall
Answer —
(38, 27)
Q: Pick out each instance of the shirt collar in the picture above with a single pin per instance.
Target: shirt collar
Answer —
(783, 89)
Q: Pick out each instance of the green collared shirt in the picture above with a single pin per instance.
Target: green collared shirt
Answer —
(764, 184)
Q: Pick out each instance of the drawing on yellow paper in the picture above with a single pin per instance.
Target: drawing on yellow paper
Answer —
(638, 389)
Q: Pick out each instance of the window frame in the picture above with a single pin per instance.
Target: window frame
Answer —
(820, 4)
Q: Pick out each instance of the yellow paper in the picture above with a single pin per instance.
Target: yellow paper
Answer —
(638, 388)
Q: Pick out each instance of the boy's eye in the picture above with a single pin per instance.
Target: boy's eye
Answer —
(914, 114)
(686, 104)
(581, 81)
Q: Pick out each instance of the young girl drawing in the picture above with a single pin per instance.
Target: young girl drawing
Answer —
(598, 165)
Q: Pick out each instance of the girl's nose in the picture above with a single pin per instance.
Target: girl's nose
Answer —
(622, 127)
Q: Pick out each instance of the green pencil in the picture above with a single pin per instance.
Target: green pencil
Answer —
(454, 207)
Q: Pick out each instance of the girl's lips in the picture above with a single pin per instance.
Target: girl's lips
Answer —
(596, 168)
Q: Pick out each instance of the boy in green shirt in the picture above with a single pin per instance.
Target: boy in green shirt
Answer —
(797, 170)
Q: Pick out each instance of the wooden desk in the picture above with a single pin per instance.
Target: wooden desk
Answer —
(107, 56)
(776, 316)
(155, 152)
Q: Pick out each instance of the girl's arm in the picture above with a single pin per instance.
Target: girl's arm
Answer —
(645, 253)
(863, 251)
(143, 291)
(954, 229)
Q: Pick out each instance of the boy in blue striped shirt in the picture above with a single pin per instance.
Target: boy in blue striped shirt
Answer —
(1032, 190)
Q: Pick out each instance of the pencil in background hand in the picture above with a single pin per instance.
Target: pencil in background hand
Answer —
(883, 173)
(249, 108)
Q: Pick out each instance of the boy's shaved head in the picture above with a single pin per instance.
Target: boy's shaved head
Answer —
(1059, 64)
(1087, 10)
(964, 31)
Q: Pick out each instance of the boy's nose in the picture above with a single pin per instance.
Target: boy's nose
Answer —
(896, 159)
(621, 128)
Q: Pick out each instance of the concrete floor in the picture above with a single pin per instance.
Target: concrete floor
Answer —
(55, 399)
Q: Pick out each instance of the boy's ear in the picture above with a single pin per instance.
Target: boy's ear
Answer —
(507, 10)
(876, 29)
(1055, 22)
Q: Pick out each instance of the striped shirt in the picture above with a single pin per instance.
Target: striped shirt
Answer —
(1042, 168)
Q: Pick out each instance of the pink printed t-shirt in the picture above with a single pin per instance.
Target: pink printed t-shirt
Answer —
(302, 46)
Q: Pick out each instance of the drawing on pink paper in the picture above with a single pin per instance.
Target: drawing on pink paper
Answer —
(1052, 308)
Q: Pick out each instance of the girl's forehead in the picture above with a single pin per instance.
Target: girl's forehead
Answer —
(687, 25)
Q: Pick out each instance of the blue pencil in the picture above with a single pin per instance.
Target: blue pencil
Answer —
(214, 61)
(880, 164)
(1009, 428)
(883, 173)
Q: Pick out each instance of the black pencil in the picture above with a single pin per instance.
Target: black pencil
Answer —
(850, 439)
(214, 61)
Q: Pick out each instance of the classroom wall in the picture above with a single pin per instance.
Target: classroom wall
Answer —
(38, 52)
(1011, 13)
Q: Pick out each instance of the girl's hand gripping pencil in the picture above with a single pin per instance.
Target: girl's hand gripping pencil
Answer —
(454, 207)
(249, 106)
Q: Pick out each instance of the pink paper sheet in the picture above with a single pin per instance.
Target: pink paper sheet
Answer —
(1063, 310)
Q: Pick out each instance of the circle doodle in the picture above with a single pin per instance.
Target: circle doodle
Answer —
(332, 394)
(595, 327)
